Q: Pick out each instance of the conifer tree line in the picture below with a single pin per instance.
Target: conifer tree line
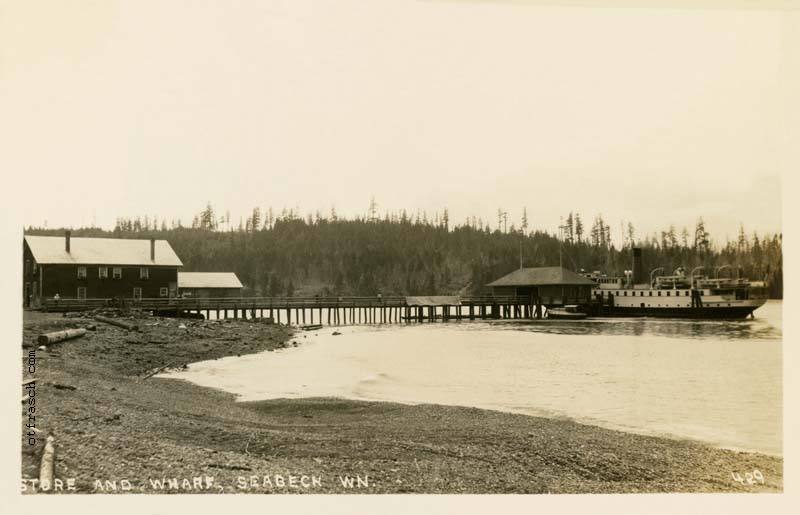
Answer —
(288, 252)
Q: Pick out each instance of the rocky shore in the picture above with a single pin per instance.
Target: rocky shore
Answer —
(117, 430)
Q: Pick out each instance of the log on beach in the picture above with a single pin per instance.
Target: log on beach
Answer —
(46, 468)
(118, 323)
(59, 336)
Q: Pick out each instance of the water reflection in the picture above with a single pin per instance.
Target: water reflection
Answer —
(695, 329)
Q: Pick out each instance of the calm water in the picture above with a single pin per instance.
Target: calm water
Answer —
(715, 381)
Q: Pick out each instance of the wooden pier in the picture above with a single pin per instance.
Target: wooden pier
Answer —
(326, 310)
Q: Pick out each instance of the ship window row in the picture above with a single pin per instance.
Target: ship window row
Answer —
(624, 293)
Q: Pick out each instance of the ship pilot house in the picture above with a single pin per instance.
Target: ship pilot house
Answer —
(80, 268)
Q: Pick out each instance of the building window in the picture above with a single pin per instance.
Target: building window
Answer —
(668, 294)
(81, 272)
(163, 292)
(81, 292)
(35, 267)
(144, 273)
(659, 294)
(137, 293)
(102, 272)
(116, 272)
(641, 294)
(687, 293)
(626, 294)
(649, 294)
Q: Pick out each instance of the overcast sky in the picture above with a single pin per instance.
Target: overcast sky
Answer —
(655, 116)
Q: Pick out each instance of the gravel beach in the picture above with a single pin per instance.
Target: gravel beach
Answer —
(118, 431)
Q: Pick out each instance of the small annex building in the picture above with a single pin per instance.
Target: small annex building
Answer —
(551, 285)
(97, 268)
(209, 284)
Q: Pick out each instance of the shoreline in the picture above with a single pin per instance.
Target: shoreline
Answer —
(113, 426)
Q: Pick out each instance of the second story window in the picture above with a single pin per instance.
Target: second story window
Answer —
(81, 272)
(144, 273)
(117, 272)
(102, 272)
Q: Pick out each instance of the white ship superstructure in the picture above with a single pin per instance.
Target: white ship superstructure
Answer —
(681, 295)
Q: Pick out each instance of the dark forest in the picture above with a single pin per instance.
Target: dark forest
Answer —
(397, 254)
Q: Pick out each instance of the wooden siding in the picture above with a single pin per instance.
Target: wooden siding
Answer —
(549, 294)
(31, 277)
(63, 280)
(210, 292)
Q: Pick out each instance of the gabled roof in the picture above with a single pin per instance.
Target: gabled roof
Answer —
(434, 300)
(208, 280)
(542, 276)
(100, 251)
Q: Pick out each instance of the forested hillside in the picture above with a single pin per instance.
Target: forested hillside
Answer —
(396, 254)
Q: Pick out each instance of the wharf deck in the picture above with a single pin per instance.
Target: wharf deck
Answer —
(336, 310)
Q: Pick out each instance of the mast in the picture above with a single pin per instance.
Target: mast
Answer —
(560, 240)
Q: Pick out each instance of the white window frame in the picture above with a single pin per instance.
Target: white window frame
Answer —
(81, 289)
(116, 272)
(144, 273)
(102, 272)
(163, 291)
(82, 272)
(137, 293)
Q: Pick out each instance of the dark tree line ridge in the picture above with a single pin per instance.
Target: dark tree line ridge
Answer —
(397, 253)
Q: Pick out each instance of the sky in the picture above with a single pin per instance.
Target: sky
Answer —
(655, 116)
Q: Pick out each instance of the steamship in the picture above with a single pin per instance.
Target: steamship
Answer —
(680, 295)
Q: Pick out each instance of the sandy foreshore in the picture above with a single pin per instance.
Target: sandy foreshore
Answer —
(117, 432)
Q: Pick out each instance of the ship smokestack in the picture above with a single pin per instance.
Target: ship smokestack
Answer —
(638, 270)
(67, 235)
(152, 249)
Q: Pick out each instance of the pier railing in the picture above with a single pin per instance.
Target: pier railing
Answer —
(214, 303)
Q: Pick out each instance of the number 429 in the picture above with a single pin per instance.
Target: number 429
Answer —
(750, 478)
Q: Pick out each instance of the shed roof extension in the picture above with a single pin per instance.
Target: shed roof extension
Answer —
(208, 280)
(49, 250)
(542, 276)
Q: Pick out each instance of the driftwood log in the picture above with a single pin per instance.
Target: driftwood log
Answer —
(156, 371)
(46, 468)
(59, 336)
(118, 323)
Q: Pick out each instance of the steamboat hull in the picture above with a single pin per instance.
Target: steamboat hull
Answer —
(718, 313)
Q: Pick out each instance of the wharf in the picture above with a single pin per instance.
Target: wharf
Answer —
(329, 310)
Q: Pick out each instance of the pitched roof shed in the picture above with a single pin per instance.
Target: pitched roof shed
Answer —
(542, 276)
(208, 280)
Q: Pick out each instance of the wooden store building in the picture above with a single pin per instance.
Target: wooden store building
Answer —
(79, 268)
